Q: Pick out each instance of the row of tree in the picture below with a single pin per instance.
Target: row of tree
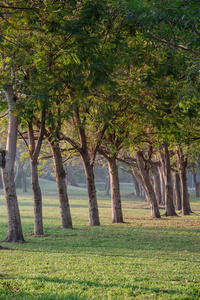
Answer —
(118, 78)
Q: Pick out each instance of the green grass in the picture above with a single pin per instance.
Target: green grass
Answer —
(140, 259)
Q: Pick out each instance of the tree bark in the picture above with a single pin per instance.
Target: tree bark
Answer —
(182, 164)
(136, 184)
(162, 185)
(107, 185)
(1, 182)
(20, 175)
(143, 192)
(24, 184)
(156, 181)
(148, 186)
(66, 220)
(117, 216)
(37, 195)
(92, 197)
(177, 192)
(15, 233)
(196, 182)
(88, 164)
(17, 176)
(165, 161)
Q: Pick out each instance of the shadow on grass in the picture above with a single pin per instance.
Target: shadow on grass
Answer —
(112, 240)
(134, 290)
(9, 294)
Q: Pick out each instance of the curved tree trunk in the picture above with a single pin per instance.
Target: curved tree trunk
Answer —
(165, 161)
(156, 181)
(177, 192)
(117, 216)
(66, 220)
(92, 197)
(14, 221)
(148, 186)
(182, 169)
(88, 164)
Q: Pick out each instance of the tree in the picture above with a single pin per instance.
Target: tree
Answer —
(111, 145)
(15, 233)
(34, 150)
(147, 184)
(173, 24)
(166, 166)
(156, 181)
(177, 192)
(20, 174)
(182, 163)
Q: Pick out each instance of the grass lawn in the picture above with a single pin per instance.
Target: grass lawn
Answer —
(142, 258)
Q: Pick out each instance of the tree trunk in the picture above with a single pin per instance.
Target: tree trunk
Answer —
(17, 176)
(117, 216)
(37, 195)
(1, 183)
(182, 169)
(14, 221)
(66, 220)
(136, 184)
(92, 197)
(20, 175)
(197, 189)
(107, 185)
(156, 181)
(148, 186)
(88, 163)
(165, 161)
(177, 192)
(143, 192)
(196, 182)
(162, 185)
(24, 184)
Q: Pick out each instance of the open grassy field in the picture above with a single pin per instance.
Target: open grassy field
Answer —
(139, 259)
